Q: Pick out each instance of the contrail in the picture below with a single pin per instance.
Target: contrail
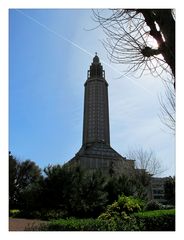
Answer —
(54, 32)
(79, 47)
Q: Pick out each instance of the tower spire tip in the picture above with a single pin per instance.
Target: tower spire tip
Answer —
(96, 58)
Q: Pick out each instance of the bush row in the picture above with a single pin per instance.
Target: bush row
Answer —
(87, 225)
(159, 220)
(73, 224)
(162, 220)
(43, 214)
(78, 193)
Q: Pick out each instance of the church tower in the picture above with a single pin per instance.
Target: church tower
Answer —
(96, 109)
(96, 152)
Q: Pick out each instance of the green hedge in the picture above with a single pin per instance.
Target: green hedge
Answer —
(158, 220)
(89, 225)
(73, 224)
(44, 214)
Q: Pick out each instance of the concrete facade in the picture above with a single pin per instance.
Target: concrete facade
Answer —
(157, 189)
(96, 152)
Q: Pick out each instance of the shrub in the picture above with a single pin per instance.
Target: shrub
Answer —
(122, 207)
(44, 214)
(129, 204)
(27, 214)
(118, 214)
(14, 213)
(159, 220)
(53, 214)
(153, 205)
(80, 194)
(73, 224)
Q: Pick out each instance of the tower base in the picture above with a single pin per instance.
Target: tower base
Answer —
(100, 156)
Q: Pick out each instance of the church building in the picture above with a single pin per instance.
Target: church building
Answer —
(96, 152)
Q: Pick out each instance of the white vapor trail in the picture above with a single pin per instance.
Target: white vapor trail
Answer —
(80, 48)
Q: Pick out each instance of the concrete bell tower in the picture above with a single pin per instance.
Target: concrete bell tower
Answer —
(96, 109)
(96, 152)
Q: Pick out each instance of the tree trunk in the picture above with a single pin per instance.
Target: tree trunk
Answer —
(165, 37)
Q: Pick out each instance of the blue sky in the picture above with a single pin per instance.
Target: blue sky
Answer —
(49, 54)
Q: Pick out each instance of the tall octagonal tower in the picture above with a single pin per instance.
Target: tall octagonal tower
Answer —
(96, 152)
(96, 109)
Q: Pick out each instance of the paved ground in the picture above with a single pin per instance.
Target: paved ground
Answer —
(19, 224)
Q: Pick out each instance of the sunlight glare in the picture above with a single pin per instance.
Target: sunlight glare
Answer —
(152, 43)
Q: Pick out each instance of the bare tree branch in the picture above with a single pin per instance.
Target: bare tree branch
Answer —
(146, 160)
(136, 36)
(167, 115)
(145, 40)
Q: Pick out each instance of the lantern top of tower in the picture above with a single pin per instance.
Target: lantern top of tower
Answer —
(96, 69)
(96, 59)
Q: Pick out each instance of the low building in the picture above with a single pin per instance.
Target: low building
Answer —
(157, 189)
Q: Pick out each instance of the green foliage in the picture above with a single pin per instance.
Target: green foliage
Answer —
(141, 181)
(13, 169)
(169, 189)
(22, 177)
(122, 208)
(43, 214)
(77, 193)
(153, 205)
(93, 197)
(30, 197)
(28, 214)
(115, 186)
(73, 224)
(158, 220)
(156, 213)
(14, 212)
(28, 172)
(134, 185)
(53, 214)
(130, 204)
(56, 188)
(64, 193)
(118, 214)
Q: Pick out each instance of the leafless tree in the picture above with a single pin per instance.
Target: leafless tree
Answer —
(145, 40)
(142, 38)
(145, 160)
(168, 108)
